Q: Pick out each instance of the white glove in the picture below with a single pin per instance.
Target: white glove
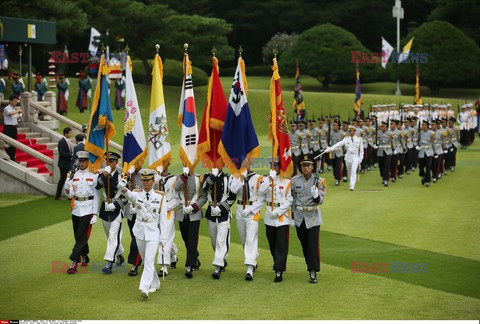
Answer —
(417, 148)
(188, 210)
(157, 178)
(160, 169)
(108, 169)
(186, 170)
(451, 150)
(131, 170)
(273, 173)
(274, 214)
(328, 150)
(314, 191)
(68, 184)
(436, 156)
(215, 172)
(246, 212)
(109, 207)
(446, 151)
(375, 146)
(292, 223)
(216, 211)
(93, 220)
(122, 184)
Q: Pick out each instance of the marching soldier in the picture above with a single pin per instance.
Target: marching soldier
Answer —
(167, 250)
(403, 148)
(371, 143)
(81, 187)
(304, 138)
(384, 152)
(294, 145)
(314, 138)
(336, 155)
(354, 153)
(189, 214)
(273, 191)
(410, 146)
(362, 132)
(246, 187)
(438, 148)
(323, 129)
(455, 136)
(463, 120)
(448, 146)
(220, 200)
(150, 207)
(307, 192)
(425, 153)
(134, 257)
(111, 212)
(396, 137)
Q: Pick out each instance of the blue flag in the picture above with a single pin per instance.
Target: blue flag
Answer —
(100, 126)
(239, 142)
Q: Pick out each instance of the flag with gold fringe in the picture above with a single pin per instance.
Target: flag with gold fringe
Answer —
(100, 126)
(213, 120)
(187, 117)
(418, 99)
(239, 141)
(357, 104)
(278, 131)
(159, 149)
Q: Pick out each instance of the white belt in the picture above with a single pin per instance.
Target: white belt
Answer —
(147, 220)
(306, 208)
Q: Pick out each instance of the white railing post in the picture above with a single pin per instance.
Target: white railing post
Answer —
(49, 121)
(25, 99)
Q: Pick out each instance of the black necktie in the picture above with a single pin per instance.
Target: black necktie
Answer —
(148, 196)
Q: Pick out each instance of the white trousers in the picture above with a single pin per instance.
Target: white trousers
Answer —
(248, 230)
(149, 279)
(167, 250)
(352, 166)
(220, 237)
(114, 231)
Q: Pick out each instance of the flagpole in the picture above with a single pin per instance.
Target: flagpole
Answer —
(274, 130)
(106, 133)
(185, 55)
(215, 149)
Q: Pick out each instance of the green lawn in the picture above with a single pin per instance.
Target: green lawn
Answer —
(405, 222)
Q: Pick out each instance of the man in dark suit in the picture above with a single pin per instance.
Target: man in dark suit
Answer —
(64, 159)
(79, 147)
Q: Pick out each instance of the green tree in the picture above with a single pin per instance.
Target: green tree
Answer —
(325, 52)
(280, 42)
(453, 57)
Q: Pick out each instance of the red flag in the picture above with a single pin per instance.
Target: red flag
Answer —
(212, 121)
(278, 132)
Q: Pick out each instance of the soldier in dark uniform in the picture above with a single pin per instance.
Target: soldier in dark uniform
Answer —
(425, 153)
(220, 200)
(134, 257)
(384, 152)
(336, 155)
(294, 145)
(111, 212)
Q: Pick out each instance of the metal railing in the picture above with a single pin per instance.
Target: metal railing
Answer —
(39, 106)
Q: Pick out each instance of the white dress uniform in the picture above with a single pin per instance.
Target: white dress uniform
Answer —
(353, 155)
(247, 195)
(150, 207)
(167, 250)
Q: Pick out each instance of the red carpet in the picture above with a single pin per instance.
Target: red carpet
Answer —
(25, 157)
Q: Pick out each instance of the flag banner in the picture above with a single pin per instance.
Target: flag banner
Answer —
(357, 105)
(418, 99)
(134, 142)
(278, 131)
(406, 51)
(159, 150)
(213, 121)
(100, 126)
(239, 141)
(93, 45)
(298, 102)
(187, 116)
(387, 50)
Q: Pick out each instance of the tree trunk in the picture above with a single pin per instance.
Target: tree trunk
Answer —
(148, 71)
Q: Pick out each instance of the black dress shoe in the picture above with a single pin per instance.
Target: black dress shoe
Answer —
(248, 277)
(216, 275)
(313, 277)
(133, 272)
(162, 273)
(108, 268)
(337, 182)
(278, 277)
(120, 260)
(189, 274)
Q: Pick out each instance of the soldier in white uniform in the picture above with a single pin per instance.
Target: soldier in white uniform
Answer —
(307, 192)
(111, 213)
(384, 152)
(425, 153)
(273, 191)
(81, 187)
(304, 138)
(455, 136)
(218, 215)
(294, 145)
(167, 250)
(151, 206)
(463, 120)
(246, 187)
(189, 214)
(134, 257)
(354, 153)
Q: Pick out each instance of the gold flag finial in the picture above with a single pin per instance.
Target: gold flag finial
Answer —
(157, 47)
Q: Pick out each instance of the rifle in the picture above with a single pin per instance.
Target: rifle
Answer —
(376, 130)
(418, 138)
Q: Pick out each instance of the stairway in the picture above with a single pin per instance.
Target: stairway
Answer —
(39, 144)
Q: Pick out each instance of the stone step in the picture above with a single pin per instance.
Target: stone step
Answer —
(51, 146)
(33, 169)
(33, 134)
(43, 140)
(24, 164)
(23, 129)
